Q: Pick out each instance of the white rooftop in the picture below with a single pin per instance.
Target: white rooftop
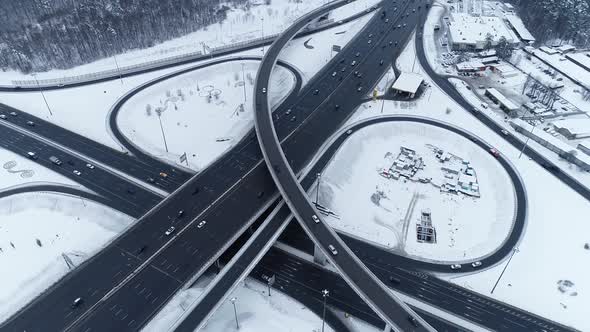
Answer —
(467, 29)
(408, 82)
(565, 48)
(520, 28)
(548, 50)
(581, 58)
(580, 127)
(470, 65)
(502, 99)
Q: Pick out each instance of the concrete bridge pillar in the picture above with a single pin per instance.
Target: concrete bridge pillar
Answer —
(318, 256)
(387, 328)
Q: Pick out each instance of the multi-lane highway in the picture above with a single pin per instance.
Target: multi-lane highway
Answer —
(392, 310)
(146, 266)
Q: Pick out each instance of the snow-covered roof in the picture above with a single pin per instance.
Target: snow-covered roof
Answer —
(581, 59)
(501, 99)
(504, 68)
(470, 65)
(408, 82)
(570, 67)
(508, 6)
(489, 59)
(579, 127)
(561, 145)
(548, 50)
(565, 48)
(467, 29)
(520, 28)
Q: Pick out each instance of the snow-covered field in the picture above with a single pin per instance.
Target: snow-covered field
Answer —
(39, 232)
(203, 113)
(386, 211)
(240, 25)
(256, 311)
(552, 247)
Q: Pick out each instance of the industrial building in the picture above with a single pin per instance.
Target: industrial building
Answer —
(468, 32)
(573, 128)
(519, 28)
(506, 105)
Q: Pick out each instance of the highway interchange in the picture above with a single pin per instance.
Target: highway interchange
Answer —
(144, 266)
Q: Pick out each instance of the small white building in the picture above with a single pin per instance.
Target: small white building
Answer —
(563, 49)
(407, 83)
(505, 104)
(548, 50)
(470, 32)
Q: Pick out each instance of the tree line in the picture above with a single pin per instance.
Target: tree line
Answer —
(39, 35)
(568, 20)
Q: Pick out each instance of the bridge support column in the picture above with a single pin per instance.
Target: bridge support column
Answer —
(318, 256)
(387, 328)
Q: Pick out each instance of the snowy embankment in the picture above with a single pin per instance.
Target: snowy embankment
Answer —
(202, 113)
(549, 250)
(386, 211)
(256, 311)
(43, 236)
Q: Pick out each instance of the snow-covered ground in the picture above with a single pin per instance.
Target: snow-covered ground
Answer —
(39, 232)
(386, 211)
(203, 112)
(309, 60)
(240, 25)
(20, 171)
(552, 247)
(256, 311)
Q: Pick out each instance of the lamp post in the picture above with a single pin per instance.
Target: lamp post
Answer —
(42, 94)
(114, 33)
(317, 192)
(527, 141)
(514, 251)
(262, 25)
(325, 293)
(233, 301)
(244, 80)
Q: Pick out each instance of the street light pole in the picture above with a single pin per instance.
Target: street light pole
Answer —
(262, 25)
(244, 80)
(162, 129)
(317, 192)
(526, 142)
(325, 293)
(514, 251)
(42, 94)
(233, 301)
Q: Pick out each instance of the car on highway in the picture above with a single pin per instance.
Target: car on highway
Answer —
(32, 155)
(370, 35)
(151, 180)
(201, 224)
(260, 194)
(349, 131)
(180, 213)
(316, 91)
(55, 160)
(353, 63)
(334, 74)
(455, 266)
(90, 166)
(170, 230)
(394, 280)
(77, 302)
(476, 264)
(315, 218)
(31, 123)
(359, 89)
(333, 250)
(77, 172)
(13, 113)
(336, 107)
(164, 175)
(504, 132)
(369, 41)
(386, 20)
(484, 105)
(288, 111)
(3, 116)
(263, 90)
(413, 321)
(399, 26)
(495, 152)
(357, 54)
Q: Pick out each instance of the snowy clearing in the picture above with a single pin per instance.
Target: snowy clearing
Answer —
(203, 112)
(387, 211)
(549, 250)
(257, 312)
(40, 233)
(18, 171)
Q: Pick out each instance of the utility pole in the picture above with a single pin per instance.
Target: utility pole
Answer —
(262, 25)
(114, 33)
(162, 129)
(233, 301)
(325, 293)
(42, 94)
(514, 251)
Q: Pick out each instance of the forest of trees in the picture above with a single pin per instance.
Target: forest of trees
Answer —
(38, 35)
(568, 20)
